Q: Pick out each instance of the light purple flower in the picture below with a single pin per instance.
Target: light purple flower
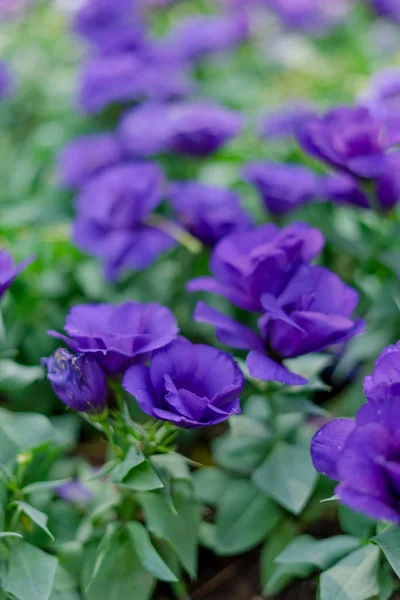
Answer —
(363, 455)
(77, 380)
(87, 156)
(209, 213)
(283, 187)
(74, 491)
(246, 265)
(6, 84)
(284, 122)
(382, 96)
(118, 336)
(344, 189)
(187, 384)
(9, 270)
(197, 36)
(387, 8)
(311, 16)
(195, 128)
(114, 212)
(312, 313)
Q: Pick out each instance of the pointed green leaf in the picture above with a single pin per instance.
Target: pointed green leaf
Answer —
(31, 573)
(147, 554)
(40, 486)
(39, 518)
(320, 554)
(389, 542)
(353, 578)
(142, 478)
(22, 431)
(133, 458)
(287, 476)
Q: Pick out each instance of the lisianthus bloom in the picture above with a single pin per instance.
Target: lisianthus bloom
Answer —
(86, 156)
(284, 122)
(9, 270)
(194, 128)
(105, 24)
(197, 36)
(343, 189)
(114, 213)
(190, 385)
(127, 76)
(77, 379)
(387, 8)
(209, 213)
(74, 491)
(312, 313)
(246, 265)
(312, 16)
(118, 336)
(363, 455)
(5, 81)
(283, 187)
(382, 96)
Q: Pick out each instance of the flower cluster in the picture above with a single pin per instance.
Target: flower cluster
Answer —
(186, 384)
(304, 308)
(363, 454)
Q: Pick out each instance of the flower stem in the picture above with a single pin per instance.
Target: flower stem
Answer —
(179, 234)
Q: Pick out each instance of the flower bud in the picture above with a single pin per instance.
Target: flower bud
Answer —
(77, 379)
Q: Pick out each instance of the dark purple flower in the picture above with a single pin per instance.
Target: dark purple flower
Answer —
(198, 36)
(284, 122)
(248, 264)
(126, 76)
(75, 492)
(208, 212)
(187, 384)
(349, 139)
(387, 8)
(118, 336)
(283, 187)
(6, 85)
(312, 313)
(78, 380)
(9, 270)
(196, 128)
(86, 156)
(108, 25)
(363, 455)
(114, 212)
(311, 16)
(344, 189)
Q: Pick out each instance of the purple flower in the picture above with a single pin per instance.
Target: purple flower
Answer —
(75, 492)
(118, 336)
(107, 24)
(312, 313)
(387, 8)
(114, 218)
(382, 96)
(86, 156)
(209, 213)
(198, 36)
(283, 187)
(77, 380)
(9, 270)
(6, 85)
(343, 189)
(126, 76)
(196, 128)
(248, 264)
(187, 384)
(311, 16)
(284, 122)
(349, 139)
(363, 455)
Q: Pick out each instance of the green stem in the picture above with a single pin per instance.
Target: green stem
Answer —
(179, 234)
(180, 590)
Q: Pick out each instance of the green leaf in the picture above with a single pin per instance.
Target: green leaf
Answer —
(245, 515)
(355, 523)
(210, 484)
(121, 576)
(389, 542)
(386, 583)
(35, 515)
(22, 431)
(180, 530)
(102, 551)
(147, 554)
(287, 476)
(171, 466)
(239, 454)
(275, 544)
(243, 426)
(10, 534)
(353, 578)
(133, 458)
(40, 486)
(142, 478)
(31, 573)
(15, 377)
(320, 554)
